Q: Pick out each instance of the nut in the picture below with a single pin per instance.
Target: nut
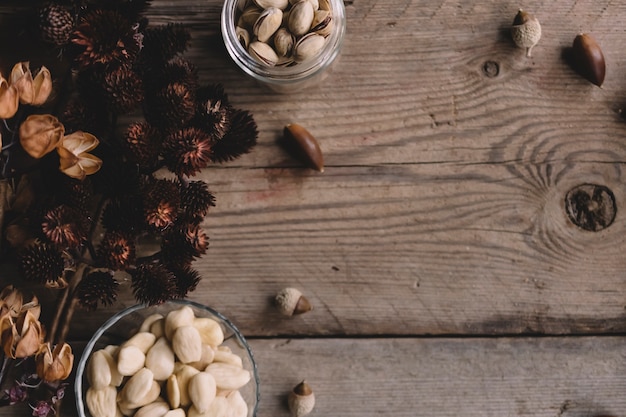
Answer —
(98, 370)
(267, 24)
(183, 375)
(173, 391)
(219, 407)
(263, 53)
(243, 36)
(227, 376)
(150, 397)
(177, 412)
(160, 359)
(143, 340)
(301, 400)
(187, 344)
(589, 59)
(208, 356)
(322, 23)
(526, 31)
(102, 402)
(147, 322)
(304, 145)
(236, 404)
(202, 389)
(228, 357)
(279, 4)
(283, 42)
(155, 409)
(184, 316)
(309, 46)
(290, 301)
(300, 18)
(210, 331)
(138, 385)
(130, 359)
(249, 16)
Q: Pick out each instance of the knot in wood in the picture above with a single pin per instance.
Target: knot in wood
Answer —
(491, 69)
(591, 207)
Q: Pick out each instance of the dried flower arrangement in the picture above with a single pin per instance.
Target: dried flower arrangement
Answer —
(80, 189)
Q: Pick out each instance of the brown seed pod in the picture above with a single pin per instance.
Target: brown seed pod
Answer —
(301, 141)
(525, 31)
(301, 400)
(588, 58)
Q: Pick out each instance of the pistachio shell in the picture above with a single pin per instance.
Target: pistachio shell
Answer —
(283, 42)
(249, 16)
(308, 47)
(268, 23)
(263, 53)
(322, 23)
(279, 4)
(243, 36)
(300, 18)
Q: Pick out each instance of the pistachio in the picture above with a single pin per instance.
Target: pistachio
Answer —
(526, 31)
(279, 4)
(325, 5)
(184, 316)
(268, 22)
(243, 36)
(102, 402)
(249, 16)
(308, 47)
(187, 344)
(98, 370)
(283, 42)
(322, 23)
(202, 389)
(304, 145)
(589, 59)
(130, 359)
(160, 359)
(263, 53)
(173, 391)
(301, 400)
(210, 331)
(300, 18)
(227, 376)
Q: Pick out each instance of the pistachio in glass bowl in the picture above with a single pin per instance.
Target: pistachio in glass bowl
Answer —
(176, 359)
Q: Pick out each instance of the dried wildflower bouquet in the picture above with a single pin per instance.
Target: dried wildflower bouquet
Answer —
(100, 157)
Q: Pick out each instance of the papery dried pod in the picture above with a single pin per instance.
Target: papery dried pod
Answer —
(322, 23)
(283, 42)
(300, 18)
(301, 400)
(264, 4)
(309, 46)
(267, 24)
(526, 31)
(263, 53)
(300, 140)
(588, 58)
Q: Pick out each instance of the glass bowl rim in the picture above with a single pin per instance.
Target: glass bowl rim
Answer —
(111, 321)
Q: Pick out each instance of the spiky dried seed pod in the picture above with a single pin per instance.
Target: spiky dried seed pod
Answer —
(64, 227)
(214, 111)
(526, 31)
(142, 142)
(161, 202)
(161, 43)
(153, 283)
(187, 279)
(122, 89)
(116, 250)
(301, 400)
(97, 287)
(172, 106)
(239, 139)
(55, 24)
(41, 262)
(187, 151)
(196, 199)
(184, 243)
(290, 301)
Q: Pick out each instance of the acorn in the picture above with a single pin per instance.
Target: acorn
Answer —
(302, 143)
(301, 400)
(290, 301)
(588, 58)
(526, 31)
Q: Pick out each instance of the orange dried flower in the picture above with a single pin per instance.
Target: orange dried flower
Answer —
(9, 99)
(40, 134)
(21, 337)
(32, 90)
(54, 365)
(73, 150)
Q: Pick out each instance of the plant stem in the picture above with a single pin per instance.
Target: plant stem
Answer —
(66, 307)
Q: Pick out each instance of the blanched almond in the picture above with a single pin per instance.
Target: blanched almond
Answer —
(178, 412)
(187, 344)
(147, 322)
(227, 376)
(228, 357)
(116, 377)
(183, 375)
(184, 316)
(237, 405)
(151, 396)
(210, 331)
(219, 408)
(155, 409)
(138, 385)
(98, 370)
(202, 389)
(158, 328)
(160, 359)
(101, 402)
(173, 391)
(143, 340)
(130, 359)
(208, 354)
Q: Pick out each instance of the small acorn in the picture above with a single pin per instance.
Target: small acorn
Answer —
(526, 31)
(301, 400)
(290, 301)
(588, 58)
(301, 142)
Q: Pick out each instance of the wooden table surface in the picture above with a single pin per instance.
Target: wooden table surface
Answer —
(446, 275)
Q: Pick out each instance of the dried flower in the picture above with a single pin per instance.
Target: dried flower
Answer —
(183, 243)
(124, 214)
(116, 250)
(40, 134)
(187, 151)
(153, 284)
(9, 99)
(171, 106)
(10, 301)
(62, 225)
(187, 279)
(17, 393)
(35, 90)
(55, 24)
(122, 88)
(73, 150)
(22, 336)
(214, 111)
(142, 142)
(161, 203)
(41, 262)
(162, 43)
(196, 199)
(240, 138)
(98, 287)
(42, 409)
(54, 365)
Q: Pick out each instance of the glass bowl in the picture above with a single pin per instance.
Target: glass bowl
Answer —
(126, 323)
(283, 78)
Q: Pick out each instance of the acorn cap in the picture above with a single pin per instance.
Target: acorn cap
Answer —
(290, 301)
(301, 400)
(521, 17)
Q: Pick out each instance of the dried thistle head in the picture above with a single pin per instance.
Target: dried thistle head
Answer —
(153, 283)
(97, 287)
(238, 140)
(187, 279)
(187, 151)
(213, 111)
(65, 227)
(161, 43)
(142, 143)
(122, 89)
(56, 24)
(116, 250)
(196, 199)
(161, 202)
(105, 37)
(171, 106)
(183, 243)
(124, 214)
(41, 262)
